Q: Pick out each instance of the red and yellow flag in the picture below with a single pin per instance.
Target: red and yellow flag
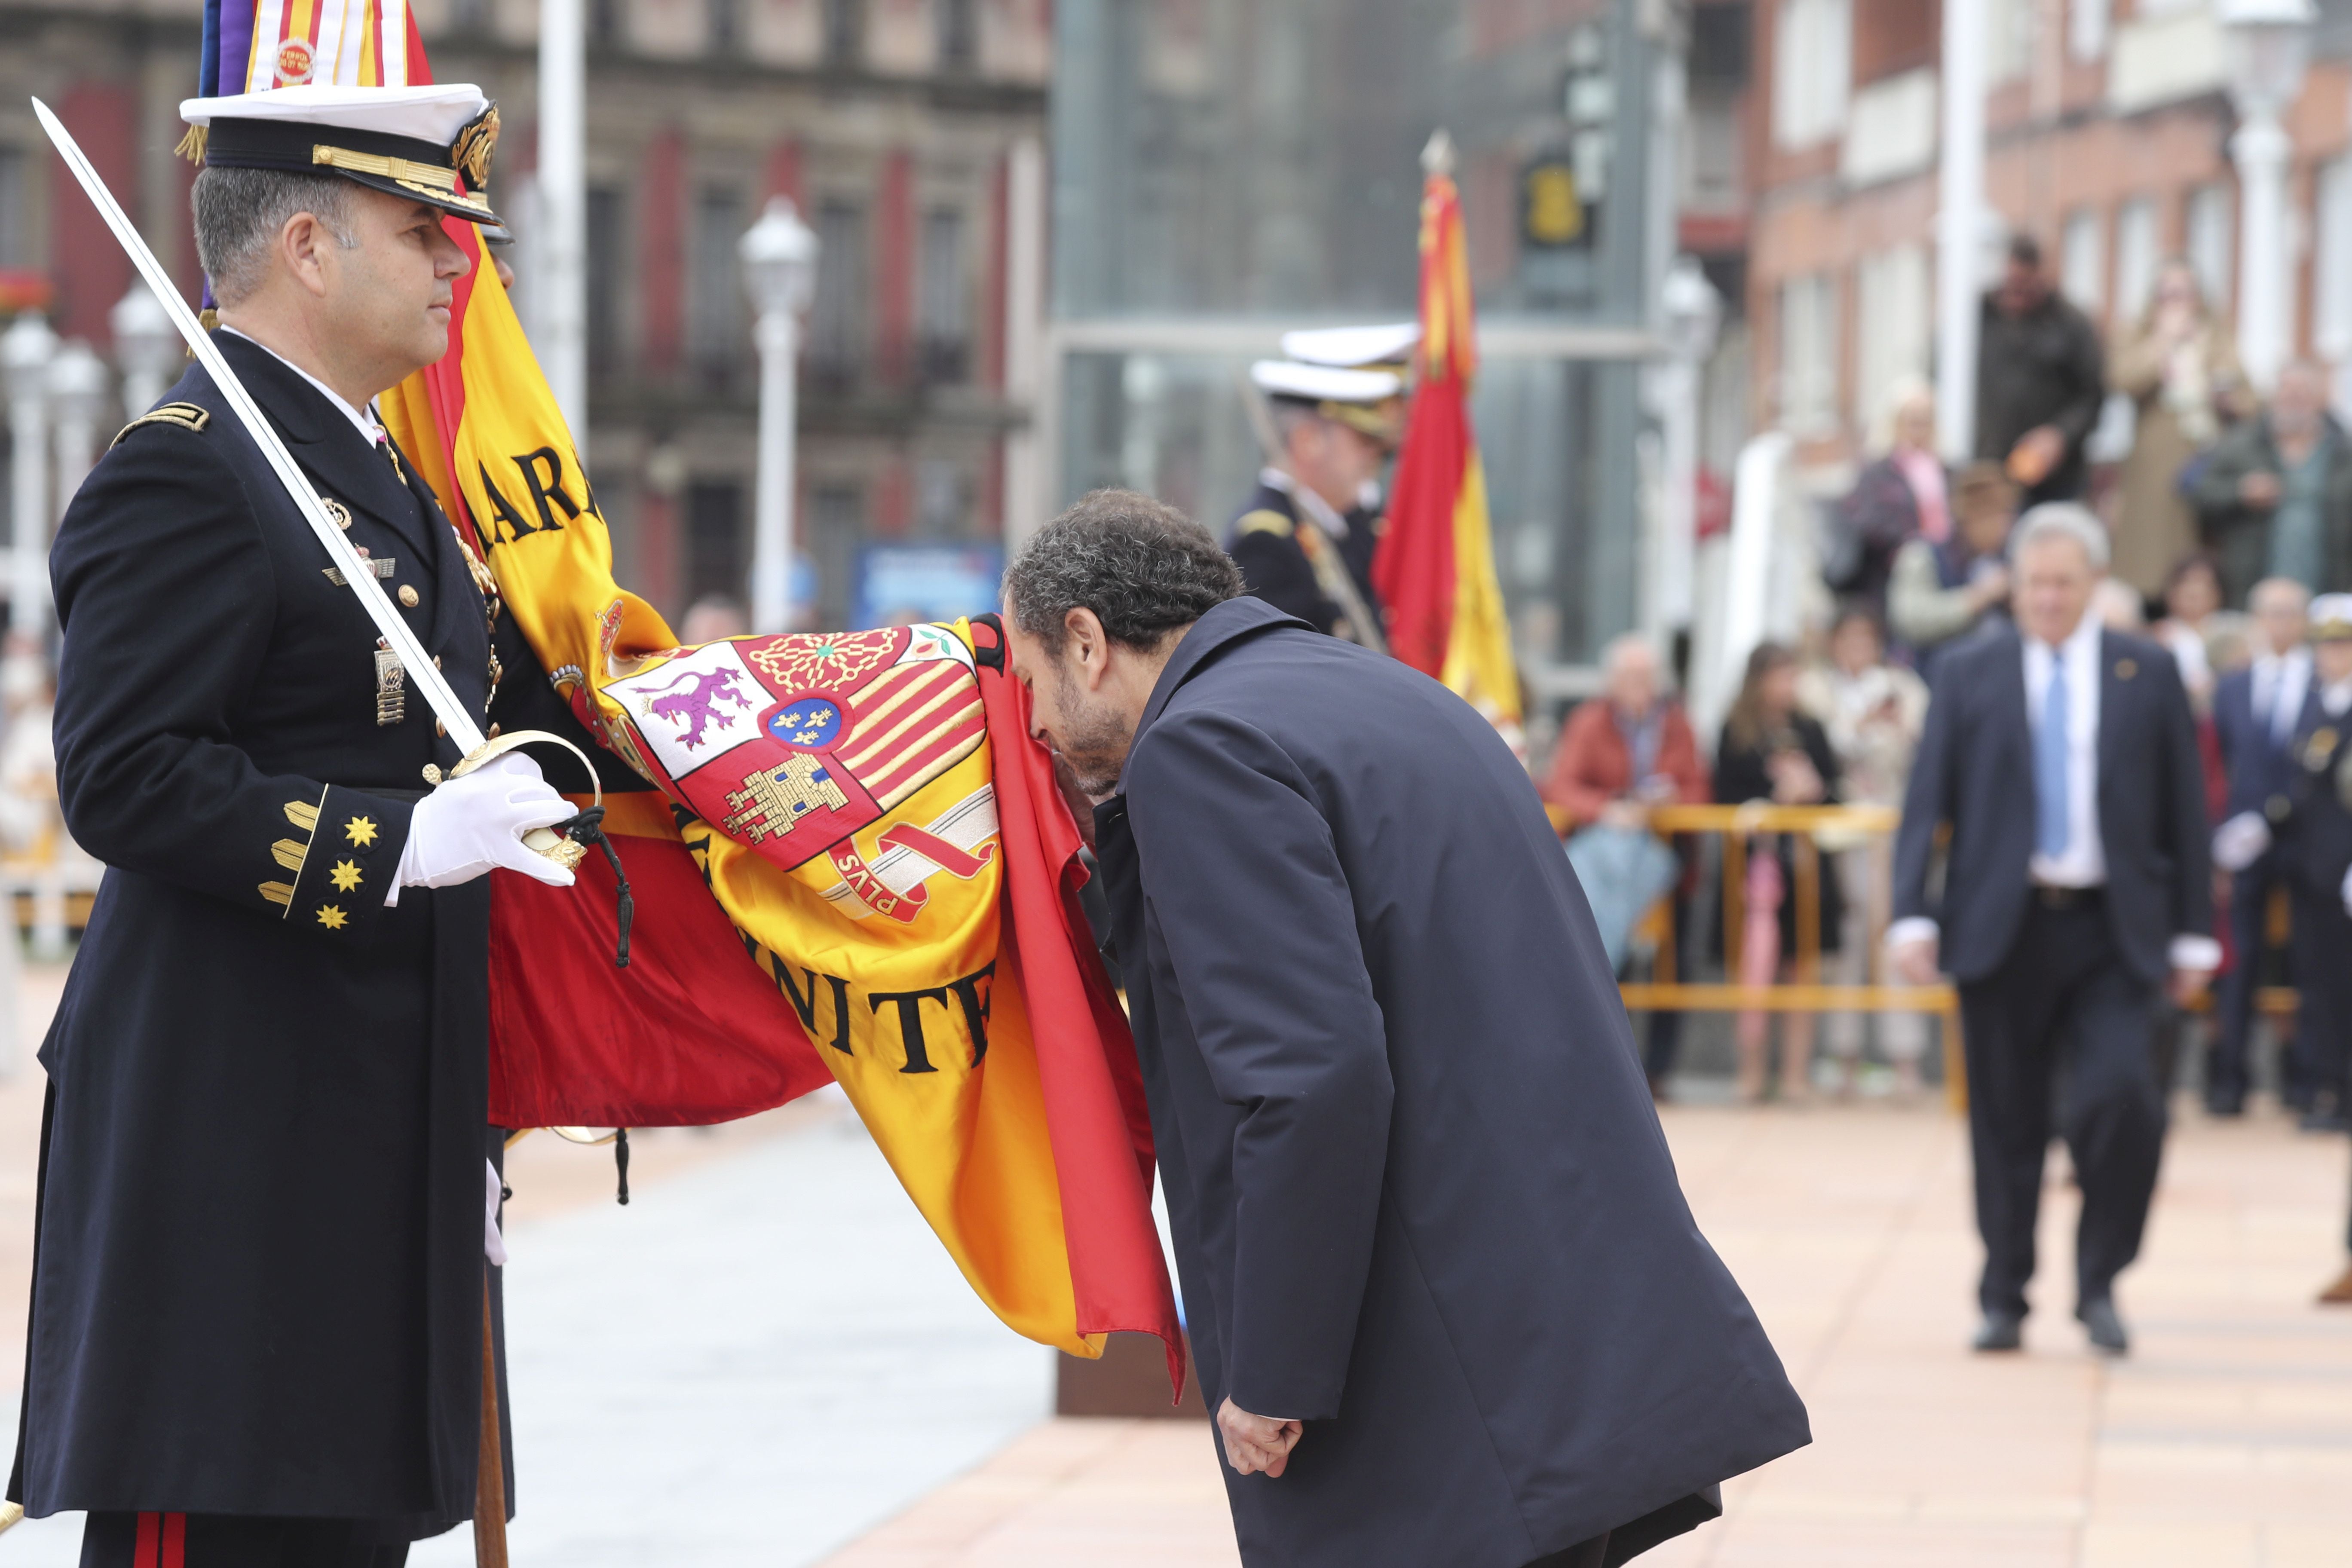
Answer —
(1435, 565)
(856, 869)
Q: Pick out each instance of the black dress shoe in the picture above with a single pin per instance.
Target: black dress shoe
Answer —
(1999, 1332)
(2106, 1328)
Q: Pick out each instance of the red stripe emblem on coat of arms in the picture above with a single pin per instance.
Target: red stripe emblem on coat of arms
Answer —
(792, 743)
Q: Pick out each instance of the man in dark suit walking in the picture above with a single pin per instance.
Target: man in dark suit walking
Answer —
(2063, 761)
(2255, 714)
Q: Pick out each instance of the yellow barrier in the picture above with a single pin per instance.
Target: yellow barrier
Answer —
(1869, 828)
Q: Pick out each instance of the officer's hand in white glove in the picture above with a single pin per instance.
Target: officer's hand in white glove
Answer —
(2239, 842)
(2348, 892)
(470, 824)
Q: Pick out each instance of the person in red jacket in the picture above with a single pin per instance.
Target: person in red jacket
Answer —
(1627, 750)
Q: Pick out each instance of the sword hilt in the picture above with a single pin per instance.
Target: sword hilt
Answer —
(563, 849)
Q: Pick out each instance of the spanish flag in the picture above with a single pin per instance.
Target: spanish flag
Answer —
(852, 864)
(1435, 565)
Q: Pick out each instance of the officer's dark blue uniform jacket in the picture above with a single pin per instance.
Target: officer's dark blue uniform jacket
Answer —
(1418, 1194)
(258, 1280)
(1263, 542)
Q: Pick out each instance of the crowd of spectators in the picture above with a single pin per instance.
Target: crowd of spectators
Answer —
(2226, 514)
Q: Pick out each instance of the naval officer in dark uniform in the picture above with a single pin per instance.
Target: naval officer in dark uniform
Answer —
(1306, 538)
(258, 1292)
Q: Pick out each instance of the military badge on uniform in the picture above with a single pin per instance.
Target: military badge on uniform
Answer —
(2320, 749)
(391, 686)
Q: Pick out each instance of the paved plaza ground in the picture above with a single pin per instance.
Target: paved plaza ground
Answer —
(765, 1359)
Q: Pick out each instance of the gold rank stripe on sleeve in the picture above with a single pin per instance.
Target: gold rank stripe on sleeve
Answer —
(186, 416)
(290, 853)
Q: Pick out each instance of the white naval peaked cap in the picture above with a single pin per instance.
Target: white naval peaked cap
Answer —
(1325, 383)
(413, 142)
(434, 114)
(1353, 347)
(2331, 617)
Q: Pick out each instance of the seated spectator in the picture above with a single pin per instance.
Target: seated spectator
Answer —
(1904, 495)
(1771, 750)
(2273, 496)
(1942, 591)
(1872, 712)
(1630, 748)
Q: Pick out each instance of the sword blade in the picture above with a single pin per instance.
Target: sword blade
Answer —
(444, 702)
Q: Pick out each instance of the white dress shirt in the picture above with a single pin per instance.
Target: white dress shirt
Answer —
(2084, 862)
(2277, 706)
(363, 420)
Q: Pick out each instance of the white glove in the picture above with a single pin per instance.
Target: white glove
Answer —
(2239, 842)
(470, 824)
(2348, 892)
(494, 1244)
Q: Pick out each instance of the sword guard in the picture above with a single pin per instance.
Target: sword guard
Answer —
(564, 850)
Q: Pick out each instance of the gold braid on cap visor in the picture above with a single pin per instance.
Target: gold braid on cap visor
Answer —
(424, 179)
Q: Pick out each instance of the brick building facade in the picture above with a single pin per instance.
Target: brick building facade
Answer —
(894, 124)
(2107, 139)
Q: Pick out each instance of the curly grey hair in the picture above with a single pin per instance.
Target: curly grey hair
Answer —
(1143, 568)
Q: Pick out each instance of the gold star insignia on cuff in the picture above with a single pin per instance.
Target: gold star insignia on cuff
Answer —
(345, 876)
(330, 917)
(361, 831)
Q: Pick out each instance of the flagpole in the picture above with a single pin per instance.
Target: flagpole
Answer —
(561, 280)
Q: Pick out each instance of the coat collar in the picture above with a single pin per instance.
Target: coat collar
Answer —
(1233, 621)
(340, 462)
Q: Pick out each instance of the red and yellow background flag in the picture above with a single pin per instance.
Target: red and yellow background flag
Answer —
(1435, 564)
(854, 866)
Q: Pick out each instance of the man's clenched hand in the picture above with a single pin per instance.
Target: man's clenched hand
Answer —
(1255, 1443)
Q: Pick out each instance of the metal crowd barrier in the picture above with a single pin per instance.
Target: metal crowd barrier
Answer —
(1872, 827)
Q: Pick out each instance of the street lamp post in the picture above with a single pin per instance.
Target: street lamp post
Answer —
(2267, 44)
(26, 350)
(77, 387)
(780, 255)
(1959, 228)
(145, 347)
(1690, 313)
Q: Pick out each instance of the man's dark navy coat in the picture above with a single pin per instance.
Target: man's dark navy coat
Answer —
(258, 1284)
(1419, 1197)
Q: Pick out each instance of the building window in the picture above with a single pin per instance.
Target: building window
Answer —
(607, 242)
(2137, 254)
(837, 317)
(2086, 29)
(1808, 354)
(1812, 71)
(2083, 260)
(938, 499)
(2331, 327)
(715, 337)
(2009, 37)
(714, 539)
(603, 21)
(2209, 245)
(836, 529)
(470, 17)
(942, 329)
(844, 32)
(726, 19)
(959, 34)
(1891, 338)
(15, 226)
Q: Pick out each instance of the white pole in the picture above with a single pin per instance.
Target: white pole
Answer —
(77, 384)
(1028, 450)
(28, 348)
(2260, 147)
(1960, 228)
(562, 282)
(778, 335)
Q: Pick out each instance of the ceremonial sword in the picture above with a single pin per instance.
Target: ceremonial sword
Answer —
(477, 748)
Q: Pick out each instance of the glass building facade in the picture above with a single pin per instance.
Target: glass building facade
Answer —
(1225, 170)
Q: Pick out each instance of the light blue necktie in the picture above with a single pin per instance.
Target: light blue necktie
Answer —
(2050, 826)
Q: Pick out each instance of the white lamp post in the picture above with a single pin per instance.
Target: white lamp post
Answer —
(145, 347)
(78, 388)
(559, 284)
(2267, 43)
(779, 254)
(1960, 227)
(26, 350)
(1690, 313)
